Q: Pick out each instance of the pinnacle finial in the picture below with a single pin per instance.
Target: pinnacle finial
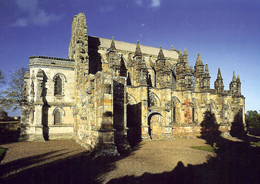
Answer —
(234, 76)
(238, 78)
(219, 74)
(180, 52)
(112, 46)
(138, 49)
(199, 61)
(161, 55)
(185, 52)
(172, 48)
(206, 68)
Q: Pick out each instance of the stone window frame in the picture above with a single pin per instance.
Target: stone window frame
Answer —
(154, 98)
(175, 108)
(64, 80)
(63, 114)
(195, 105)
(213, 106)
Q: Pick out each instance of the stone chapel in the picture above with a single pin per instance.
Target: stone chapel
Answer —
(144, 92)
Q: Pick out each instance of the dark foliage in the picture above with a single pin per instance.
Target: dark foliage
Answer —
(14, 94)
(253, 119)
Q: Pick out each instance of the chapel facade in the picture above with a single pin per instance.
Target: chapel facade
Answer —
(144, 92)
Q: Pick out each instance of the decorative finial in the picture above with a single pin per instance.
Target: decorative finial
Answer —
(238, 78)
(138, 49)
(161, 55)
(234, 76)
(219, 74)
(199, 61)
(112, 46)
(172, 48)
(206, 68)
(185, 52)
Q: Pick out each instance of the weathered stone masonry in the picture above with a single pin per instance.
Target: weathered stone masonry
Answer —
(144, 92)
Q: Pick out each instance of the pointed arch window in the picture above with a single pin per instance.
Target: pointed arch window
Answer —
(58, 86)
(174, 113)
(195, 105)
(57, 117)
(175, 110)
(193, 113)
(59, 81)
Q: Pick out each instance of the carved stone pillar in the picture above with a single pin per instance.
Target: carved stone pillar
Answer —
(106, 145)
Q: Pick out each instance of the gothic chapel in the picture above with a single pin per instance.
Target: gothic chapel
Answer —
(144, 92)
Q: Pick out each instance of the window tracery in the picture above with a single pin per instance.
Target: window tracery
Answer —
(59, 81)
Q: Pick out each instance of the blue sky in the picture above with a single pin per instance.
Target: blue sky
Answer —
(225, 32)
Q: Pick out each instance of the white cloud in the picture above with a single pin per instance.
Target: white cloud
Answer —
(43, 19)
(35, 15)
(106, 9)
(148, 3)
(155, 3)
(139, 2)
(22, 22)
(27, 5)
(142, 25)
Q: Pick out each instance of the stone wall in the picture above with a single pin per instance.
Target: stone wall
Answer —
(145, 92)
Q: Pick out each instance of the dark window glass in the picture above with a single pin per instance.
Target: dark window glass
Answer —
(57, 118)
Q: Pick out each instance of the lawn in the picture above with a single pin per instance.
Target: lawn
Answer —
(255, 144)
(204, 148)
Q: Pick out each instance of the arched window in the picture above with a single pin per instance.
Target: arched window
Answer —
(58, 86)
(57, 117)
(175, 110)
(174, 113)
(154, 100)
(58, 114)
(193, 113)
(59, 80)
(195, 105)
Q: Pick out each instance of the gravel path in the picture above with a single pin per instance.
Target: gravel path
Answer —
(68, 162)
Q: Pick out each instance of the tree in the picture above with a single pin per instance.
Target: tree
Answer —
(14, 94)
(2, 81)
(253, 119)
(1, 78)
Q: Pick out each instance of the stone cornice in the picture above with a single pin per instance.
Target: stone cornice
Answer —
(52, 67)
(53, 58)
(51, 62)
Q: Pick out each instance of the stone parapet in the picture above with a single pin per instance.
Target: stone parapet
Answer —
(51, 62)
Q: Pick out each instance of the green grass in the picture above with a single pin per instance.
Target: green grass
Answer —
(2, 150)
(255, 144)
(204, 148)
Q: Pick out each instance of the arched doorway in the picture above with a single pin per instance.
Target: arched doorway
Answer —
(154, 125)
